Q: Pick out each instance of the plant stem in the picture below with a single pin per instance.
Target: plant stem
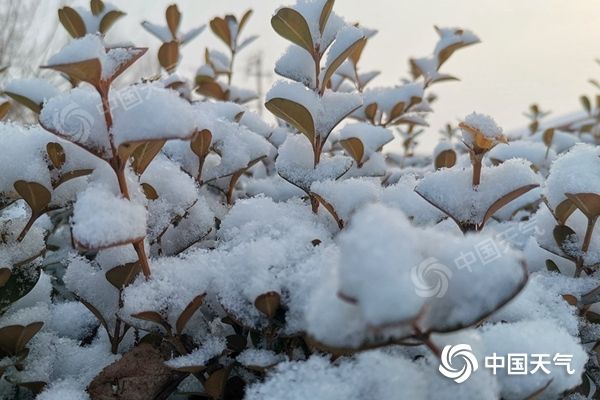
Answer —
(119, 168)
(476, 162)
(585, 246)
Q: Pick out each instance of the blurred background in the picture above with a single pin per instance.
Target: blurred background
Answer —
(540, 51)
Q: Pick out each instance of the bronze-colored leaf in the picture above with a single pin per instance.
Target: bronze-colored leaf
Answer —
(56, 154)
(140, 374)
(97, 314)
(564, 210)
(446, 159)
(200, 143)
(26, 101)
(4, 109)
(168, 55)
(339, 60)
(36, 387)
(587, 203)
(547, 136)
(173, 17)
(4, 276)
(357, 54)
(96, 6)
(327, 7)
(134, 54)
(397, 110)
(236, 175)
(244, 19)
(149, 191)
(446, 52)
(504, 200)
(371, 111)
(35, 195)
(295, 114)
(551, 266)
(563, 235)
(569, 298)
(291, 25)
(268, 303)
(72, 22)
(89, 71)
(127, 149)
(109, 19)
(123, 275)
(71, 175)
(214, 90)
(144, 154)
(153, 316)
(188, 313)
(14, 338)
(214, 385)
(355, 148)
(329, 207)
(220, 28)
(585, 102)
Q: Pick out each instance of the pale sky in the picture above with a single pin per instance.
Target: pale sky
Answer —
(532, 50)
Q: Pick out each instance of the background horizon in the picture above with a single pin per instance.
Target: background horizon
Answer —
(538, 51)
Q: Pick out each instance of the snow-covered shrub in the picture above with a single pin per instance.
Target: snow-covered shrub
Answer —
(158, 239)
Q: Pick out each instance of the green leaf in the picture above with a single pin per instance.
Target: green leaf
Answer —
(20, 282)
(585, 102)
(551, 266)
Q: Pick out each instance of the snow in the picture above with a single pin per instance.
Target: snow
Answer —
(155, 113)
(577, 171)
(387, 98)
(91, 47)
(345, 38)
(78, 117)
(483, 124)
(318, 379)
(311, 11)
(372, 137)
(295, 164)
(296, 64)
(535, 337)
(25, 160)
(259, 358)
(447, 188)
(102, 219)
(36, 89)
(363, 294)
(327, 111)
(209, 349)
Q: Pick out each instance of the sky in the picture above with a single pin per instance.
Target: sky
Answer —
(540, 51)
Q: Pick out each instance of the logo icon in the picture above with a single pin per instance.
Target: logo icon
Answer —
(469, 362)
(431, 278)
(75, 122)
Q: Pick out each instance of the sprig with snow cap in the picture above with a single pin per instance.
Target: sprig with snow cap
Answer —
(172, 37)
(228, 29)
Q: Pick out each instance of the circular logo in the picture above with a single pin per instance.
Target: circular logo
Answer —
(450, 354)
(431, 278)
